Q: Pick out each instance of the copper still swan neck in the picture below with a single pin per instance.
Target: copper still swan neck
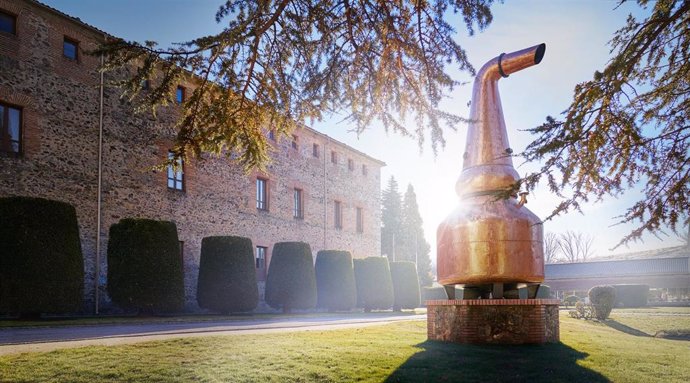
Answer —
(487, 164)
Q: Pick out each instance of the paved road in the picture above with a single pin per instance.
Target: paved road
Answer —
(40, 339)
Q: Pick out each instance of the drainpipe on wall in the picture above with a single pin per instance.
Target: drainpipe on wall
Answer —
(98, 202)
(325, 200)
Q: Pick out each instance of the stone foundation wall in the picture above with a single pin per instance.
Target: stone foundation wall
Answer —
(498, 321)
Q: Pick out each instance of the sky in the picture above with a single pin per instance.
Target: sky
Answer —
(576, 35)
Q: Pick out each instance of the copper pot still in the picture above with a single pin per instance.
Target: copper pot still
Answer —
(489, 241)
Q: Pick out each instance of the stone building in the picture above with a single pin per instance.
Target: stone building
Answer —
(66, 136)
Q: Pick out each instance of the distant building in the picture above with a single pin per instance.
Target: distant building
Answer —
(666, 271)
(317, 190)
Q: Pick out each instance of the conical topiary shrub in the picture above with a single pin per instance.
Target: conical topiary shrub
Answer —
(291, 283)
(41, 264)
(373, 281)
(144, 266)
(405, 285)
(227, 275)
(335, 280)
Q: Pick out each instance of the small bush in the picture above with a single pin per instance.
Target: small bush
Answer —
(405, 285)
(335, 280)
(291, 283)
(227, 275)
(374, 285)
(41, 264)
(582, 311)
(631, 295)
(144, 266)
(571, 300)
(602, 299)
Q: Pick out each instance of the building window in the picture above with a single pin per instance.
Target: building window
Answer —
(334, 157)
(69, 48)
(180, 94)
(272, 134)
(360, 220)
(8, 23)
(10, 129)
(175, 173)
(315, 151)
(338, 214)
(298, 205)
(350, 164)
(260, 257)
(365, 171)
(294, 143)
(261, 194)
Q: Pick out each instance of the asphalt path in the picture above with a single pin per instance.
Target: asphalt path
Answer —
(42, 339)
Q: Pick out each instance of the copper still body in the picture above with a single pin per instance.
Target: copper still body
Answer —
(489, 242)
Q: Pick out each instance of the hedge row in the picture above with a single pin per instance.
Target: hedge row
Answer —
(374, 284)
(42, 271)
(41, 263)
(144, 266)
(291, 283)
(405, 285)
(631, 295)
(335, 280)
(227, 278)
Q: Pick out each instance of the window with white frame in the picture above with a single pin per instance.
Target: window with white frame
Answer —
(298, 204)
(175, 173)
(261, 194)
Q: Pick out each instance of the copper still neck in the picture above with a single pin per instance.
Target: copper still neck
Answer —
(487, 164)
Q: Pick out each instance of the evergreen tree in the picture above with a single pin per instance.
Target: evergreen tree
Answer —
(627, 126)
(277, 64)
(413, 246)
(391, 220)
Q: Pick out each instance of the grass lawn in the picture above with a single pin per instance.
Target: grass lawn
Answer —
(589, 352)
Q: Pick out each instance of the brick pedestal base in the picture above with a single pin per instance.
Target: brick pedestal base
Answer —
(497, 321)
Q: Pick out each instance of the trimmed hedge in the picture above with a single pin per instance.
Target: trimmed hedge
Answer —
(41, 263)
(602, 299)
(335, 280)
(405, 285)
(631, 295)
(227, 275)
(374, 285)
(291, 283)
(144, 266)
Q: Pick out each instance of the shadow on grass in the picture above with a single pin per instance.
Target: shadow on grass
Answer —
(449, 362)
(624, 328)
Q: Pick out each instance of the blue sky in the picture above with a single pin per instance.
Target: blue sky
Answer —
(575, 32)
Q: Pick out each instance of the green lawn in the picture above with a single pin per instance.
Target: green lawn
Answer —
(649, 320)
(589, 352)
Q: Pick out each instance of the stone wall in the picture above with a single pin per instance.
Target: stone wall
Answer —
(499, 321)
(61, 107)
